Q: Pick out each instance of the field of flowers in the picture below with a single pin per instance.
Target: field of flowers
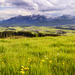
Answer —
(38, 56)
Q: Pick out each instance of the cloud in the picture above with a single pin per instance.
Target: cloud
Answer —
(45, 7)
(11, 12)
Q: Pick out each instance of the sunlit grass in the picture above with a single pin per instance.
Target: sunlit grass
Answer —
(38, 56)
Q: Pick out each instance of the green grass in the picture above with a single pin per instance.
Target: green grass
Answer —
(38, 56)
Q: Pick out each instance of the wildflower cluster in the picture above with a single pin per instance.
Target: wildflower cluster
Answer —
(24, 69)
(42, 62)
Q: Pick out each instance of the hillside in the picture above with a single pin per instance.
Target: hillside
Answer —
(32, 31)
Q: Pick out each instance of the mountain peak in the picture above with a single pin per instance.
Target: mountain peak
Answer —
(38, 20)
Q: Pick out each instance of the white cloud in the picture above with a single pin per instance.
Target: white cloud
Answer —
(26, 7)
(11, 12)
(2, 1)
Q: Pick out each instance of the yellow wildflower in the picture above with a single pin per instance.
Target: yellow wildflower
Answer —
(22, 67)
(50, 61)
(26, 68)
(63, 63)
(22, 72)
(43, 60)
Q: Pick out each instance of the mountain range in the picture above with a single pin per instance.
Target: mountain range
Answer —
(38, 20)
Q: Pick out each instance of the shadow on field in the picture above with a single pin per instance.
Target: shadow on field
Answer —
(6, 34)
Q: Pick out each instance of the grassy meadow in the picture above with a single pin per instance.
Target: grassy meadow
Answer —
(38, 56)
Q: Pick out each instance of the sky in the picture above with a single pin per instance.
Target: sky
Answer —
(49, 8)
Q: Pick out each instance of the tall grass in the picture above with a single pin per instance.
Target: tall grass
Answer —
(38, 56)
